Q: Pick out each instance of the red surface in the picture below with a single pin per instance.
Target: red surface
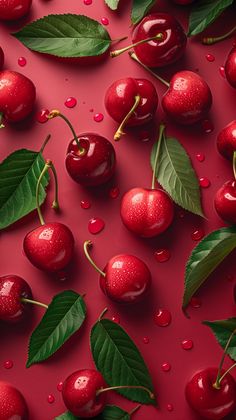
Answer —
(55, 82)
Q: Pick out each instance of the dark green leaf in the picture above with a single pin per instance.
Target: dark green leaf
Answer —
(204, 13)
(64, 316)
(222, 330)
(19, 173)
(206, 256)
(66, 416)
(113, 4)
(176, 175)
(65, 36)
(140, 8)
(111, 412)
(119, 361)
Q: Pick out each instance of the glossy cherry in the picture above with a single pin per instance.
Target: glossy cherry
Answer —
(14, 9)
(164, 51)
(1, 58)
(12, 403)
(225, 202)
(17, 96)
(226, 140)
(206, 400)
(230, 68)
(80, 393)
(12, 290)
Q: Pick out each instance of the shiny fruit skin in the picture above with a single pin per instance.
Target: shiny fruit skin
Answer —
(120, 98)
(17, 95)
(1, 58)
(14, 9)
(225, 202)
(207, 401)
(147, 212)
(159, 53)
(230, 68)
(49, 247)
(98, 163)
(12, 289)
(79, 393)
(127, 279)
(226, 140)
(12, 403)
(188, 98)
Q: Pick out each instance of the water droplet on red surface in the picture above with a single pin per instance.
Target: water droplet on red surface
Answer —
(146, 340)
(200, 157)
(170, 407)
(162, 255)
(8, 364)
(197, 234)
(166, 367)
(207, 126)
(60, 386)
(70, 102)
(51, 399)
(105, 21)
(85, 204)
(41, 116)
(222, 71)
(187, 344)
(144, 136)
(91, 110)
(88, 2)
(116, 319)
(204, 182)
(162, 318)
(22, 61)
(98, 117)
(96, 225)
(195, 302)
(114, 192)
(210, 57)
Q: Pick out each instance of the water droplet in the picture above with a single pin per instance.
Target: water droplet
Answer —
(51, 399)
(70, 102)
(197, 234)
(204, 182)
(170, 407)
(146, 340)
(41, 116)
(187, 344)
(22, 61)
(166, 367)
(105, 21)
(162, 318)
(210, 57)
(88, 2)
(96, 225)
(207, 126)
(91, 110)
(116, 319)
(195, 302)
(222, 71)
(85, 204)
(114, 192)
(8, 364)
(162, 255)
(60, 386)
(98, 117)
(200, 157)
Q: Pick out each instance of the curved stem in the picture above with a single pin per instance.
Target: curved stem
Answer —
(45, 143)
(45, 169)
(34, 302)
(234, 164)
(119, 133)
(119, 39)
(135, 58)
(102, 314)
(161, 132)
(143, 41)
(114, 388)
(219, 378)
(134, 410)
(214, 40)
(55, 204)
(87, 245)
(226, 372)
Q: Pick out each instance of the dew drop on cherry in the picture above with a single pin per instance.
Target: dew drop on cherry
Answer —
(22, 61)
(96, 225)
(114, 192)
(207, 126)
(105, 21)
(60, 386)
(98, 117)
(162, 318)
(85, 204)
(70, 102)
(51, 399)
(8, 364)
(41, 116)
(197, 234)
(187, 344)
(210, 57)
(166, 367)
(222, 71)
(146, 340)
(170, 407)
(200, 157)
(195, 302)
(162, 255)
(116, 319)
(88, 2)
(204, 182)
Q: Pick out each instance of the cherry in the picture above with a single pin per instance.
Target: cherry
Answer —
(17, 95)
(131, 102)
(208, 400)
(226, 140)
(13, 291)
(225, 202)
(14, 9)
(12, 403)
(230, 68)
(125, 278)
(1, 58)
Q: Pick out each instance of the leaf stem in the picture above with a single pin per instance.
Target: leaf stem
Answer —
(45, 143)
(214, 40)
(87, 245)
(114, 388)
(134, 410)
(219, 378)
(234, 164)
(119, 39)
(135, 58)
(102, 314)
(161, 135)
(119, 133)
(157, 37)
(34, 302)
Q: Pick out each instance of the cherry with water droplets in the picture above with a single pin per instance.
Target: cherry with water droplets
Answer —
(225, 202)
(14, 9)
(226, 140)
(230, 68)
(12, 403)
(12, 290)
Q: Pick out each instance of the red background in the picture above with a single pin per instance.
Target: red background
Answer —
(55, 81)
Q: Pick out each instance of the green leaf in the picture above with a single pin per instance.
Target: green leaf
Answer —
(176, 175)
(19, 173)
(64, 316)
(206, 256)
(113, 4)
(140, 8)
(204, 13)
(120, 362)
(111, 412)
(65, 35)
(222, 330)
(66, 416)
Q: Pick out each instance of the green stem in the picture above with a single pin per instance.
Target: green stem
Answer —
(45, 143)
(102, 314)
(134, 410)
(34, 302)
(214, 40)
(161, 132)
(219, 377)
(114, 388)
(143, 41)
(135, 58)
(119, 133)
(55, 205)
(226, 373)
(234, 164)
(119, 39)
(87, 245)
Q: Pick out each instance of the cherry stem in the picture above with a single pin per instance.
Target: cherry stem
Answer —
(114, 388)
(161, 135)
(143, 41)
(234, 164)
(56, 113)
(102, 314)
(119, 39)
(34, 302)
(45, 143)
(135, 58)
(214, 40)
(87, 245)
(119, 133)
(219, 378)
(1, 118)
(134, 410)
(55, 205)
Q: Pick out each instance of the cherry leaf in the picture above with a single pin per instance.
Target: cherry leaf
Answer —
(140, 8)
(111, 412)
(222, 330)
(205, 257)
(66, 35)
(113, 4)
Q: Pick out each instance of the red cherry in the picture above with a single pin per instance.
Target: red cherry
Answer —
(79, 393)
(49, 247)
(14, 9)
(1, 58)
(226, 140)
(12, 290)
(17, 95)
(12, 403)
(159, 52)
(230, 68)
(225, 202)
(147, 212)
(94, 167)
(206, 400)
(188, 98)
